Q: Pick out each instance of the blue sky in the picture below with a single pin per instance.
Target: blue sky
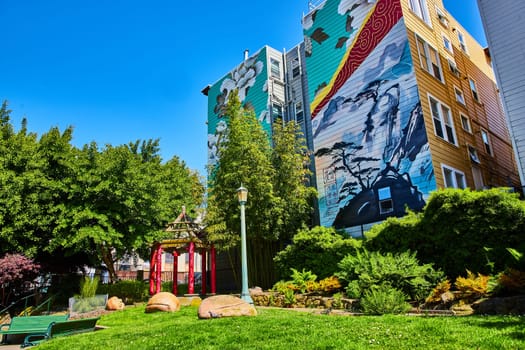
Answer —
(123, 70)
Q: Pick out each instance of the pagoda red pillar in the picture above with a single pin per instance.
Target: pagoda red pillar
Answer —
(191, 277)
(212, 272)
(159, 270)
(153, 269)
(203, 271)
(175, 271)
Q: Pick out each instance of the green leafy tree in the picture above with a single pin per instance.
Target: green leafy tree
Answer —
(246, 157)
(68, 206)
(294, 196)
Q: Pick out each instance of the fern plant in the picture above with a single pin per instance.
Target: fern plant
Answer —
(384, 299)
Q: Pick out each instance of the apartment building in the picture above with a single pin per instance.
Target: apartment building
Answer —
(396, 99)
(505, 31)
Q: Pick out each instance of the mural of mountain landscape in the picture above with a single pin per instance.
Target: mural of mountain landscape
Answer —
(371, 148)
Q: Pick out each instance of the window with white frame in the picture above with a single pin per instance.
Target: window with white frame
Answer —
(453, 178)
(462, 42)
(453, 67)
(447, 44)
(275, 68)
(443, 123)
(465, 122)
(486, 141)
(299, 114)
(459, 95)
(277, 112)
(473, 89)
(429, 58)
(442, 17)
(419, 7)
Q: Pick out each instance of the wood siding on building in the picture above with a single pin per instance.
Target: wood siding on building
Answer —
(498, 168)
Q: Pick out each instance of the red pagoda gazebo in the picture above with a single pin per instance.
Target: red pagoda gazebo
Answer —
(186, 237)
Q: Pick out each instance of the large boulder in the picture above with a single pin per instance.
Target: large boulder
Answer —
(225, 306)
(114, 303)
(163, 301)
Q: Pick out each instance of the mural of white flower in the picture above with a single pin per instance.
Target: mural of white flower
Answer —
(243, 77)
(214, 141)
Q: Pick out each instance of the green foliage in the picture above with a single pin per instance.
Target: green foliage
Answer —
(91, 205)
(132, 329)
(301, 279)
(129, 291)
(383, 299)
(88, 287)
(294, 196)
(271, 175)
(319, 250)
(458, 229)
(366, 270)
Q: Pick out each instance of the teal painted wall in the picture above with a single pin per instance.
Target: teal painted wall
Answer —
(250, 78)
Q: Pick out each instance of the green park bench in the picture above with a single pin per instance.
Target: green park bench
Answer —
(61, 328)
(29, 324)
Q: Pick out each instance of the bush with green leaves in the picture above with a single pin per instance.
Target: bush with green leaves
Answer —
(366, 270)
(318, 250)
(302, 279)
(129, 291)
(384, 299)
(458, 230)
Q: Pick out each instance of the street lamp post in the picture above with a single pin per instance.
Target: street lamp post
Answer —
(242, 194)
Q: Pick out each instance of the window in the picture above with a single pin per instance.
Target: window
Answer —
(429, 58)
(443, 124)
(275, 68)
(465, 123)
(447, 44)
(462, 43)
(386, 205)
(442, 17)
(453, 178)
(473, 88)
(459, 95)
(473, 154)
(296, 70)
(453, 67)
(486, 141)
(419, 7)
(277, 112)
(299, 114)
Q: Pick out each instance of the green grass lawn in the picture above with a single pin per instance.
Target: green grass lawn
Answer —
(287, 329)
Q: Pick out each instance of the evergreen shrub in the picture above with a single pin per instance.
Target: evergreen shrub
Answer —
(318, 250)
(129, 291)
(458, 230)
(366, 270)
